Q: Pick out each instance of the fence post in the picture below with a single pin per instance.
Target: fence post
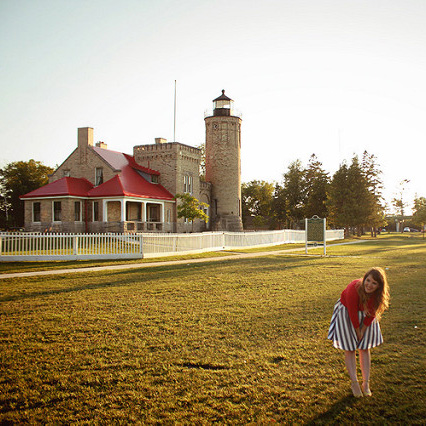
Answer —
(75, 245)
(1, 244)
(141, 245)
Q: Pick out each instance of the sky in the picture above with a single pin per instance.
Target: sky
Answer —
(326, 77)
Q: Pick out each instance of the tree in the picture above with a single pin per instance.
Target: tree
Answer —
(294, 192)
(338, 199)
(5, 204)
(349, 199)
(257, 199)
(190, 208)
(361, 197)
(419, 215)
(376, 208)
(399, 203)
(279, 213)
(19, 178)
(317, 182)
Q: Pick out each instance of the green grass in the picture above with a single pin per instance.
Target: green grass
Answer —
(234, 342)
(16, 267)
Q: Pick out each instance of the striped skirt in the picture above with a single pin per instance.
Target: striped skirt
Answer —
(343, 335)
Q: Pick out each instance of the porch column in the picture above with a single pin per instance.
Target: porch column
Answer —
(123, 210)
(143, 207)
(104, 211)
(162, 212)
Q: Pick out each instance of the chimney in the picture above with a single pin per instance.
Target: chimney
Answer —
(102, 145)
(85, 139)
(160, 140)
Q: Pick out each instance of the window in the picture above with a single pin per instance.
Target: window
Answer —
(57, 211)
(77, 211)
(95, 211)
(154, 179)
(99, 176)
(36, 212)
(67, 173)
(187, 184)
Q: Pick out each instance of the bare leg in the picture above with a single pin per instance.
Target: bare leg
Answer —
(365, 362)
(350, 361)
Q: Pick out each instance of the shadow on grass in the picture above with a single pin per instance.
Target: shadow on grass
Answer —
(332, 415)
(187, 271)
(50, 292)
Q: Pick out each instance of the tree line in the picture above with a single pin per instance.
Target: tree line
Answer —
(352, 198)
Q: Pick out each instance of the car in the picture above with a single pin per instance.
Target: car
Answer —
(406, 229)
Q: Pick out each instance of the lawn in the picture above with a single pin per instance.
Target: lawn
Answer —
(235, 342)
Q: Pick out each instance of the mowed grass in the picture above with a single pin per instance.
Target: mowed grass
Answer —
(231, 342)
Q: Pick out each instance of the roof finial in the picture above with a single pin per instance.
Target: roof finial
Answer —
(223, 91)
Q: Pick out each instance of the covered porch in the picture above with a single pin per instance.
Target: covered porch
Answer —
(136, 215)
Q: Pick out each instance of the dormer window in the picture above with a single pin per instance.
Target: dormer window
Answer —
(154, 179)
(99, 176)
(67, 173)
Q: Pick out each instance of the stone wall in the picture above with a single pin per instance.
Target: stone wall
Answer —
(67, 224)
(223, 169)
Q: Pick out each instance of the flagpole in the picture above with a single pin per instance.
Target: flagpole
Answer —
(174, 119)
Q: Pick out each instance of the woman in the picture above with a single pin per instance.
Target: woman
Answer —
(355, 324)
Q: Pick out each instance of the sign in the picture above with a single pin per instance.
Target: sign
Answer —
(315, 232)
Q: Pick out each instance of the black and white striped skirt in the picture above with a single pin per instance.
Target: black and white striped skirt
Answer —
(342, 331)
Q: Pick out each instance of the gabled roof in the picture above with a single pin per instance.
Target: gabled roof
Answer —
(119, 160)
(67, 186)
(130, 184)
(116, 160)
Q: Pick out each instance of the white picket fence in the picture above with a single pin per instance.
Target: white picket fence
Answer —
(39, 247)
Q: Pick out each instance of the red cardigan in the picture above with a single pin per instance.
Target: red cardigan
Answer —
(350, 299)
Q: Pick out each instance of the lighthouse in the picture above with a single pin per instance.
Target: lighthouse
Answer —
(223, 165)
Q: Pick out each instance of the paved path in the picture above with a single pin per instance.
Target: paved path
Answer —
(232, 256)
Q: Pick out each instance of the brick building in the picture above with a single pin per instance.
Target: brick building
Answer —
(99, 190)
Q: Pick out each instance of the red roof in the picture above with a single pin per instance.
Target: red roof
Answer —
(133, 164)
(128, 183)
(67, 186)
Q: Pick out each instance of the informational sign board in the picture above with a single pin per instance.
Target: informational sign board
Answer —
(315, 232)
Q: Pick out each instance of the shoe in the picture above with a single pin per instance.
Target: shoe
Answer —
(366, 389)
(356, 390)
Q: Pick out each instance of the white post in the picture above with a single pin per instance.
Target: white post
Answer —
(325, 236)
(141, 245)
(162, 212)
(104, 211)
(75, 245)
(123, 210)
(306, 235)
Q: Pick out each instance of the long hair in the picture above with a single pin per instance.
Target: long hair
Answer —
(381, 295)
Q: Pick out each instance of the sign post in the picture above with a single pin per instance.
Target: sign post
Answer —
(315, 232)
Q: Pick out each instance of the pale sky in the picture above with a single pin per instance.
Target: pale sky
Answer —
(330, 77)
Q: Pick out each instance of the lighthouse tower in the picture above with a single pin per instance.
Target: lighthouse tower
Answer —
(223, 165)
